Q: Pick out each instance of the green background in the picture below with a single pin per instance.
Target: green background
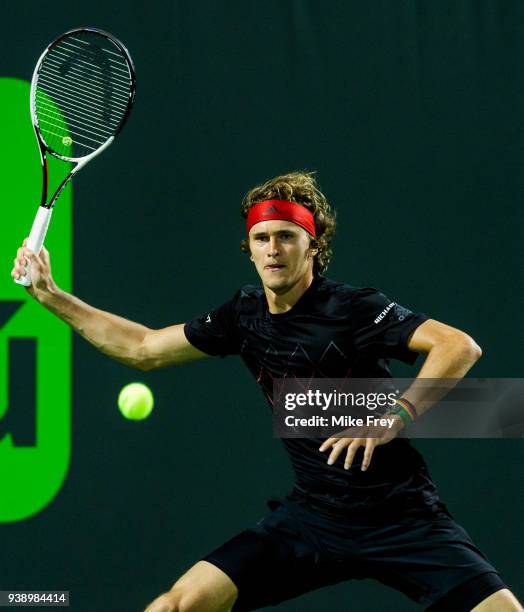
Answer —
(32, 467)
(411, 114)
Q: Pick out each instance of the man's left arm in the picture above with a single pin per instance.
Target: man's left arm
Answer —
(450, 353)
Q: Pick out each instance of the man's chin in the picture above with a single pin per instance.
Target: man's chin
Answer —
(278, 285)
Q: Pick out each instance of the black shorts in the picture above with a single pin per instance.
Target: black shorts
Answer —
(299, 548)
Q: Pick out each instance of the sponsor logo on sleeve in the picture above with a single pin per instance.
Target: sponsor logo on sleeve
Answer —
(384, 313)
(399, 312)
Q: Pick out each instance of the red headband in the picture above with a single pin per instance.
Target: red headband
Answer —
(271, 210)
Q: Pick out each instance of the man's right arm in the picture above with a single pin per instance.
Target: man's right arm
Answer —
(131, 343)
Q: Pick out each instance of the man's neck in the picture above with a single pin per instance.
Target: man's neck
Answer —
(282, 302)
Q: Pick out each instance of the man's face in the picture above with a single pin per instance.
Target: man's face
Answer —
(281, 253)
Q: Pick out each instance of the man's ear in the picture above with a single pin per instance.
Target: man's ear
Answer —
(313, 249)
(251, 257)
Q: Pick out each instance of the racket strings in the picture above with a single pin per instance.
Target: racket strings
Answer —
(83, 93)
(76, 83)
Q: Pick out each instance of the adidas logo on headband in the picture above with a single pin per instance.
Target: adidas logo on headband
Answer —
(272, 210)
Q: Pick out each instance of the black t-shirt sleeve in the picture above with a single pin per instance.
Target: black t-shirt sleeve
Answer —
(216, 332)
(382, 327)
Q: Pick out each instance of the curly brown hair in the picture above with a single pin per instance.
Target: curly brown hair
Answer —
(302, 188)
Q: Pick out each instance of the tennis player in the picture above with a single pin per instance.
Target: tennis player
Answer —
(360, 507)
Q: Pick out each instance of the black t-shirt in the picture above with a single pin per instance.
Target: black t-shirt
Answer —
(333, 331)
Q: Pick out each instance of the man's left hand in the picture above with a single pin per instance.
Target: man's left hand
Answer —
(355, 437)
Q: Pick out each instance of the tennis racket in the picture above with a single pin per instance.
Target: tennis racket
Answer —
(82, 92)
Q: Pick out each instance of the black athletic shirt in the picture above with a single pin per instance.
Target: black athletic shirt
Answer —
(333, 331)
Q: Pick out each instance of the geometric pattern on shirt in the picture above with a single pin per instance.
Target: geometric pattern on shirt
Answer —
(331, 360)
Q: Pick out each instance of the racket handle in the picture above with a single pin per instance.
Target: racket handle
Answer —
(36, 240)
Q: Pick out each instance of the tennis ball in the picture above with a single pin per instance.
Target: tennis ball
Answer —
(135, 401)
(67, 141)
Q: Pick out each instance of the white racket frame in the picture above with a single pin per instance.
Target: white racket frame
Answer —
(45, 210)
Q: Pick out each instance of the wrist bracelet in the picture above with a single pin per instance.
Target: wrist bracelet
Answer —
(407, 405)
(402, 413)
(405, 410)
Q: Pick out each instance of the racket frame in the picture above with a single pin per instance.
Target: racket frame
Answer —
(43, 216)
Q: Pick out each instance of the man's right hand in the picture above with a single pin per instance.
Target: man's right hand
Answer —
(42, 282)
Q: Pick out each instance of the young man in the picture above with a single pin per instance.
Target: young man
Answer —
(370, 512)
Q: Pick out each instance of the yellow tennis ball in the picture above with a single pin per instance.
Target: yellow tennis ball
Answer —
(135, 401)
(67, 141)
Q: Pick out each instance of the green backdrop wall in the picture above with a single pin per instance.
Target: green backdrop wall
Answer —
(412, 115)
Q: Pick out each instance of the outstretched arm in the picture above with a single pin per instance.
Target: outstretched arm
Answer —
(131, 343)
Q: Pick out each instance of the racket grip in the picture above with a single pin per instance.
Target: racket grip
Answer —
(36, 240)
